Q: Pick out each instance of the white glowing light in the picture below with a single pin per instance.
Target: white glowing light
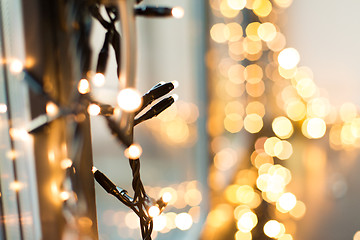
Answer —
(183, 221)
(94, 169)
(52, 109)
(129, 99)
(64, 195)
(159, 222)
(166, 197)
(66, 163)
(3, 108)
(289, 58)
(84, 86)
(133, 152)
(154, 211)
(287, 201)
(175, 97)
(177, 12)
(272, 228)
(16, 186)
(16, 66)
(98, 79)
(94, 109)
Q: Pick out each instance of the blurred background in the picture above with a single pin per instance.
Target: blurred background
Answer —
(263, 142)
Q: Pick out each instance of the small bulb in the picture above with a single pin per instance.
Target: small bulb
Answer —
(166, 197)
(94, 169)
(16, 186)
(129, 99)
(3, 108)
(175, 84)
(177, 12)
(16, 66)
(64, 195)
(94, 109)
(52, 109)
(66, 163)
(98, 79)
(154, 211)
(133, 152)
(84, 86)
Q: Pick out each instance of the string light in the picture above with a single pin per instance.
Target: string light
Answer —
(94, 109)
(98, 79)
(154, 211)
(84, 86)
(3, 108)
(177, 12)
(52, 109)
(16, 66)
(133, 152)
(129, 99)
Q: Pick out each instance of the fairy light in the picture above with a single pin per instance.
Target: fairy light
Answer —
(66, 163)
(16, 66)
(16, 186)
(98, 79)
(129, 99)
(64, 195)
(287, 201)
(272, 228)
(84, 86)
(183, 221)
(166, 197)
(177, 12)
(133, 152)
(52, 109)
(289, 58)
(94, 109)
(154, 211)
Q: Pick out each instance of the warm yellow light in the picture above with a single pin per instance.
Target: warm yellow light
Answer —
(166, 192)
(154, 211)
(269, 145)
(166, 197)
(283, 3)
(245, 194)
(66, 163)
(315, 127)
(289, 58)
(253, 73)
(278, 43)
(183, 221)
(239, 235)
(267, 31)
(16, 66)
(193, 197)
(283, 150)
(255, 107)
(252, 31)
(3, 108)
(282, 127)
(247, 221)
(262, 8)
(235, 30)
(296, 110)
(236, 4)
(227, 11)
(98, 79)
(52, 109)
(348, 111)
(306, 87)
(64, 195)
(129, 99)
(159, 222)
(318, 107)
(177, 12)
(133, 152)
(272, 228)
(94, 109)
(252, 46)
(261, 159)
(220, 32)
(285, 237)
(357, 236)
(16, 186)
(287, 201)
(235, 73)
(233, 122)
(225, 159)
(299, 210)
(253, 123)
(84, 86)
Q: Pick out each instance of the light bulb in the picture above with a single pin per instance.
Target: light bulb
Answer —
(175, 84)
(16, 66)
(177, 12)
(84, 86)
(166, 197)
(52, 109)
(98, 79)
(94, 109)
(154, 211)
(3, 108)
(133, 152)
(129, 99)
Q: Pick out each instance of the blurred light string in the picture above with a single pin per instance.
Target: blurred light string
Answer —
(256, 84)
